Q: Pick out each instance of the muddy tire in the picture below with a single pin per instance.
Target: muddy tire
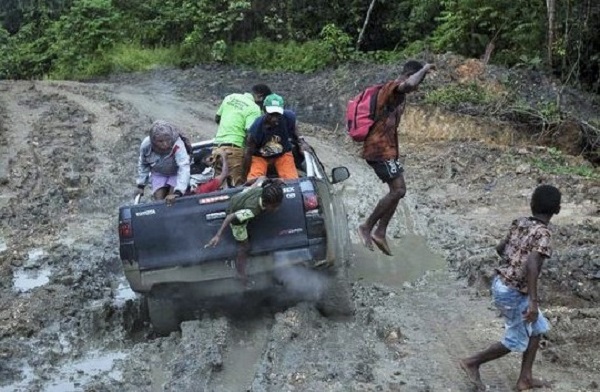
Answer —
(336, 300)
(163, 313)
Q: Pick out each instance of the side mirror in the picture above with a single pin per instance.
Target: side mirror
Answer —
(339, 174)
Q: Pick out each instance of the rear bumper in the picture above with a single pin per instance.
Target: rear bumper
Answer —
(212, 271)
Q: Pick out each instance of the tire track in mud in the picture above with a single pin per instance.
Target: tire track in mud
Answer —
(246, 345)
(455, 328)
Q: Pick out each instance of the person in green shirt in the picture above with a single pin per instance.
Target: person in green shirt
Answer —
(235, 116)
(264, 195)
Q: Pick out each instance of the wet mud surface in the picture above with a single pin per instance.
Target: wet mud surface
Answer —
(68, 321)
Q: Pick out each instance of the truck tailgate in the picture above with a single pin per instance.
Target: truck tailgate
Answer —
(175, 236)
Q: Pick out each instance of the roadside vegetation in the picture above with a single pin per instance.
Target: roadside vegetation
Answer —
(82, 39)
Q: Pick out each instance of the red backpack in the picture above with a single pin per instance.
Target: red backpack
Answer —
(360, 113)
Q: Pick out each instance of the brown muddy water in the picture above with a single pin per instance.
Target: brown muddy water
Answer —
(411, 259)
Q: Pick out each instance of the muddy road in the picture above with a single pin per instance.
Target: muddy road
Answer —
(68, 321)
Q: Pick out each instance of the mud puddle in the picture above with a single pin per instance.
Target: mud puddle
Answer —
(25, 280)
(411, 259)
(71, 376)
(123, 293)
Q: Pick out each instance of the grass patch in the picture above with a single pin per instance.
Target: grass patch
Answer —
(132, 58)
(556, 163)
(453, 96)
(122, 58)
(282, 56)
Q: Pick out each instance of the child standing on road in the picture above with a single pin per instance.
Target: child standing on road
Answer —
(264, 195)
(514, 289)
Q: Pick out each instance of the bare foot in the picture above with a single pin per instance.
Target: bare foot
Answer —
(472, 373)
(382, 245)
(523, 385)
(365, 237)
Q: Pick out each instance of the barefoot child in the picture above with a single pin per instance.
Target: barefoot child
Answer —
(514, 290)
(263, 195)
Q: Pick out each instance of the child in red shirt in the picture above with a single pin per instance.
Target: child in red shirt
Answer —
(215, 183)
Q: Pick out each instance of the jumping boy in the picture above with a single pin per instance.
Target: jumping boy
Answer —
(514, 290)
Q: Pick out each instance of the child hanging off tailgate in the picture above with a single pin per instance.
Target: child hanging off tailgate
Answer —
(264, 195)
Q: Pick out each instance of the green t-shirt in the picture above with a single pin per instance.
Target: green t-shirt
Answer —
(246, 204)
(238, 112)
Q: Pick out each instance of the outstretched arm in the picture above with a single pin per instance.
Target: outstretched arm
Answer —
(254, 182)
(501, 247)
(295, 136)
(215, 240)
(224, 168)
(533, 269)
(143, 168)
(249, 150)
(415, 79)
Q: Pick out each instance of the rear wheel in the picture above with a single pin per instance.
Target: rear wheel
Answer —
(336, 300)
(164, 314)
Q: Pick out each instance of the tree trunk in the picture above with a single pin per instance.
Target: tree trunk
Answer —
(489, 49)
(362, 31)
(551, 5)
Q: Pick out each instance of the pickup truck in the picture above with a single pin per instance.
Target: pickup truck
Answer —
(164, 258)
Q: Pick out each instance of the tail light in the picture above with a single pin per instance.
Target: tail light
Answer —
(125, 229)
(311, 202)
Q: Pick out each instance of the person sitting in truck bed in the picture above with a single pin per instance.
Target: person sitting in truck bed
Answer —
(264, 195)
(216, 182)
(165, 160)
(271, 140)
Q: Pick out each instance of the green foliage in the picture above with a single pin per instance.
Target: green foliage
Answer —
(283, 56)
(133, 58)
(416, 47)
(82, 37)
(529, 62)
(468, 26)
(555, 162)
(218, 51)
(28, 53)
(452, 95)
(56, 36)
(337, 42)
(542, 116)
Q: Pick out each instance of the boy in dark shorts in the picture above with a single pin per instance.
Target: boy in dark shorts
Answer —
(264, 195)
(380, 150)
(514, 290)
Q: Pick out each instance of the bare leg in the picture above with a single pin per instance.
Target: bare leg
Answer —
(388, 208)
(161, 193)
(471, 365)
(526, 380)
(240, 263)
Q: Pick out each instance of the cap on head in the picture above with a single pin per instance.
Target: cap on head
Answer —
(273, 104)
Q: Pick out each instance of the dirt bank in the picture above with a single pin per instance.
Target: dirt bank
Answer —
(69, 322)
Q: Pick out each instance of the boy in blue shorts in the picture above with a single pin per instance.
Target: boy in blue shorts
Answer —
(514, 290)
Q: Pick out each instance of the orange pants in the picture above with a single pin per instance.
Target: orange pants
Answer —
(284, 164)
